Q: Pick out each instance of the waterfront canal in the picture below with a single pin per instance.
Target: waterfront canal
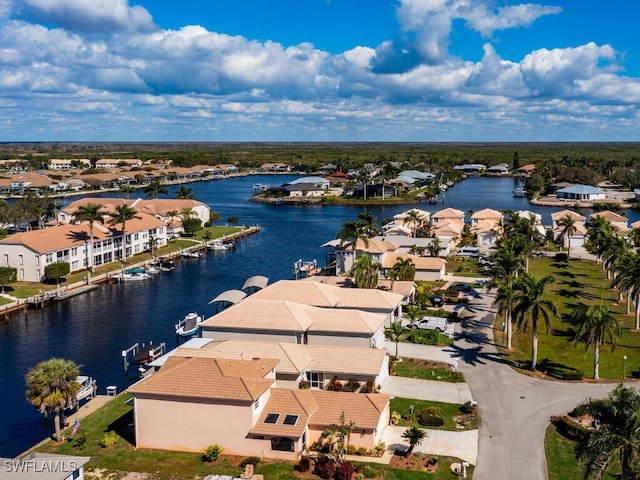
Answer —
(94, 328)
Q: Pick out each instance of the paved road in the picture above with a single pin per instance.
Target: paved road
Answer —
(514, 409)
(432, 390)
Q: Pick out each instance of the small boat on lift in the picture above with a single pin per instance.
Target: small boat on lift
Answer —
(217, 246)
(191, 254)
(189, 325)
(87, 387)
(131, 275)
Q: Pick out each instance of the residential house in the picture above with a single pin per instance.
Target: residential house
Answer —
(255, 319)
(448, 225)
(30, 252)
(234, 403)
(577, 239)
(404, 223)
(471, 168)
(417, 245)
(346, 255)
(501, 169)
(322, 295)
(405, 288)
(274, 167)
(486, 224)
(526, 170)
(427, 268)
(316, 364)
(68, 163)
(536, 220)
(117, 162)
(620, 223)
(581, 193)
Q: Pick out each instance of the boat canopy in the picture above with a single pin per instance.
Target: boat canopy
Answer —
(230, 296)
(257, 281)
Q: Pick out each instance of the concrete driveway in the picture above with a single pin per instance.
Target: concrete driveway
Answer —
(426, 390)
(463, 445)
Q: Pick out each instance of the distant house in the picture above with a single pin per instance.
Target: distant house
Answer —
(427, 268)
(68, 163)
(577, 239)
(486, 224)
(536, 220)
(619, 222)
(346, 255)
(404, 224)
(471, 168)
(274, 167)
(448, 224)
(526, 169)
(581, 193)
(194, 402)
(502, 169)
(116, 162)
(375, 190)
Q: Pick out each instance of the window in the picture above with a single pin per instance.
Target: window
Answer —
(37, 259)
(20, 259)
(49, 257)
(282, 444)
(74, 251)
(135, 236)
(290, 420)
(272, 418)
(6, 259)
(316, 380)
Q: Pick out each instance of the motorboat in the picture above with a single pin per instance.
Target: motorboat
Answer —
(132, 275)
(192, 254)
(166, 265)
(87, 387)
(189, 325)
(153, 268)
(218, 246)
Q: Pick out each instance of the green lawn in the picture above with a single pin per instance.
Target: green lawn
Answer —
(426, 370)
(576, 282)
(446, 410)
(465, 267)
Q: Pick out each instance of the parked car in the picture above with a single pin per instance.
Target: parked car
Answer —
(432, 323)
(460, 287)
(436, 300)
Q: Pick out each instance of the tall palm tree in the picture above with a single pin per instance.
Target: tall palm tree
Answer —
(122, 215)
(595, 324)
(628, 278)
(598, 232)
(91, 212)
(52, 388)
(434, 247)
(414, 436)
(349, 234)
(414, 219)
(368, 224)
(505, 299)
(616, 439)
(613, 250)
(394, 333)
(127, 190)
(405, 269)
(531, 306)
(185, 193)
(568, 228)
(507, 266)
(365, 272)
(155, 188)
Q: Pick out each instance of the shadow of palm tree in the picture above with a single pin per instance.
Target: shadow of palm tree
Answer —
(78, 236)
(558, 370)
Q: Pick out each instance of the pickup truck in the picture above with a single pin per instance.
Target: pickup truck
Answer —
(432, 323)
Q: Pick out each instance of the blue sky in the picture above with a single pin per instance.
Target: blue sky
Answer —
(319, 70)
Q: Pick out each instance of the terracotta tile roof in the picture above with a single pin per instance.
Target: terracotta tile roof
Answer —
(67, 235)
(563, 213)
(158, 206)
(319, 294)
(364, 409)
(485, 226)
(421, 263)
(210, 378)
(487, 213)
(374, 246)
(344, 320)
(449, 213)
(283, 402)
(347, 360)
(613, 217)
(254, 313)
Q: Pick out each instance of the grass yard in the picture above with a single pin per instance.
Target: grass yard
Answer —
(575, 282)
(465, 267)
(446, 410)
(426, 370)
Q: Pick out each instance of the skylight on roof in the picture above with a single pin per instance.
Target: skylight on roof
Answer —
(272, 418)
(290, 420)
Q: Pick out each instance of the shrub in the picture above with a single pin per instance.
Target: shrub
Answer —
(344, 472)
(457, 376)
(578, 411)
(212, 453)
(303, 465)
(561, 257)
(325, 468)
(250, 461)
(379, 449)
(304, 385)
(396, 417)
(424, 337)
(419, 455)
(109, 439)
(370, 472)
(635, 374)
(430, 417)
(351, 450)
(569, 429)
(467, 407)
(351, 386)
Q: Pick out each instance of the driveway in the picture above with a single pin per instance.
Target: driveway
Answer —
(432, 390)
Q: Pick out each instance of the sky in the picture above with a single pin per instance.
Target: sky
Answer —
(319, 70)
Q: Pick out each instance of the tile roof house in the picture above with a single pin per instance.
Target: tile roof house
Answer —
(194, 402)
(317, 364)
(619, 222)
(346, 255)
(448, 224)
(256, 319)
(427, 268)
(578, 237)
(486, 224)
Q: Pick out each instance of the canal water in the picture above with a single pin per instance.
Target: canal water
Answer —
(94, 328)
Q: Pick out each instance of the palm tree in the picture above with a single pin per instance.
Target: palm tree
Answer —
(365, 272)
(127, 190)
(595, 324)
(414, 436)
(434, 247)
(414, 219)
(613, 250)
(531, 306)
(184, 193)
(405, 268)
(123, 214)
(616, 438)
(349, 234)
(52, 388)
(505, 299)
(394, 333)
(155, 188)
(599, 231)
(568, 228)
(628, 278)
(368, 224)
(507, 266)
(91, 212)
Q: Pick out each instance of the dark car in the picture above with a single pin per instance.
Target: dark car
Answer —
(436, 300)
(460, 287)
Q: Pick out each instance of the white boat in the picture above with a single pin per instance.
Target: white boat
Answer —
(217, 247)
(189, 325)
(152, 269)
(87, 387)
(131, 276)
(192, 254)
